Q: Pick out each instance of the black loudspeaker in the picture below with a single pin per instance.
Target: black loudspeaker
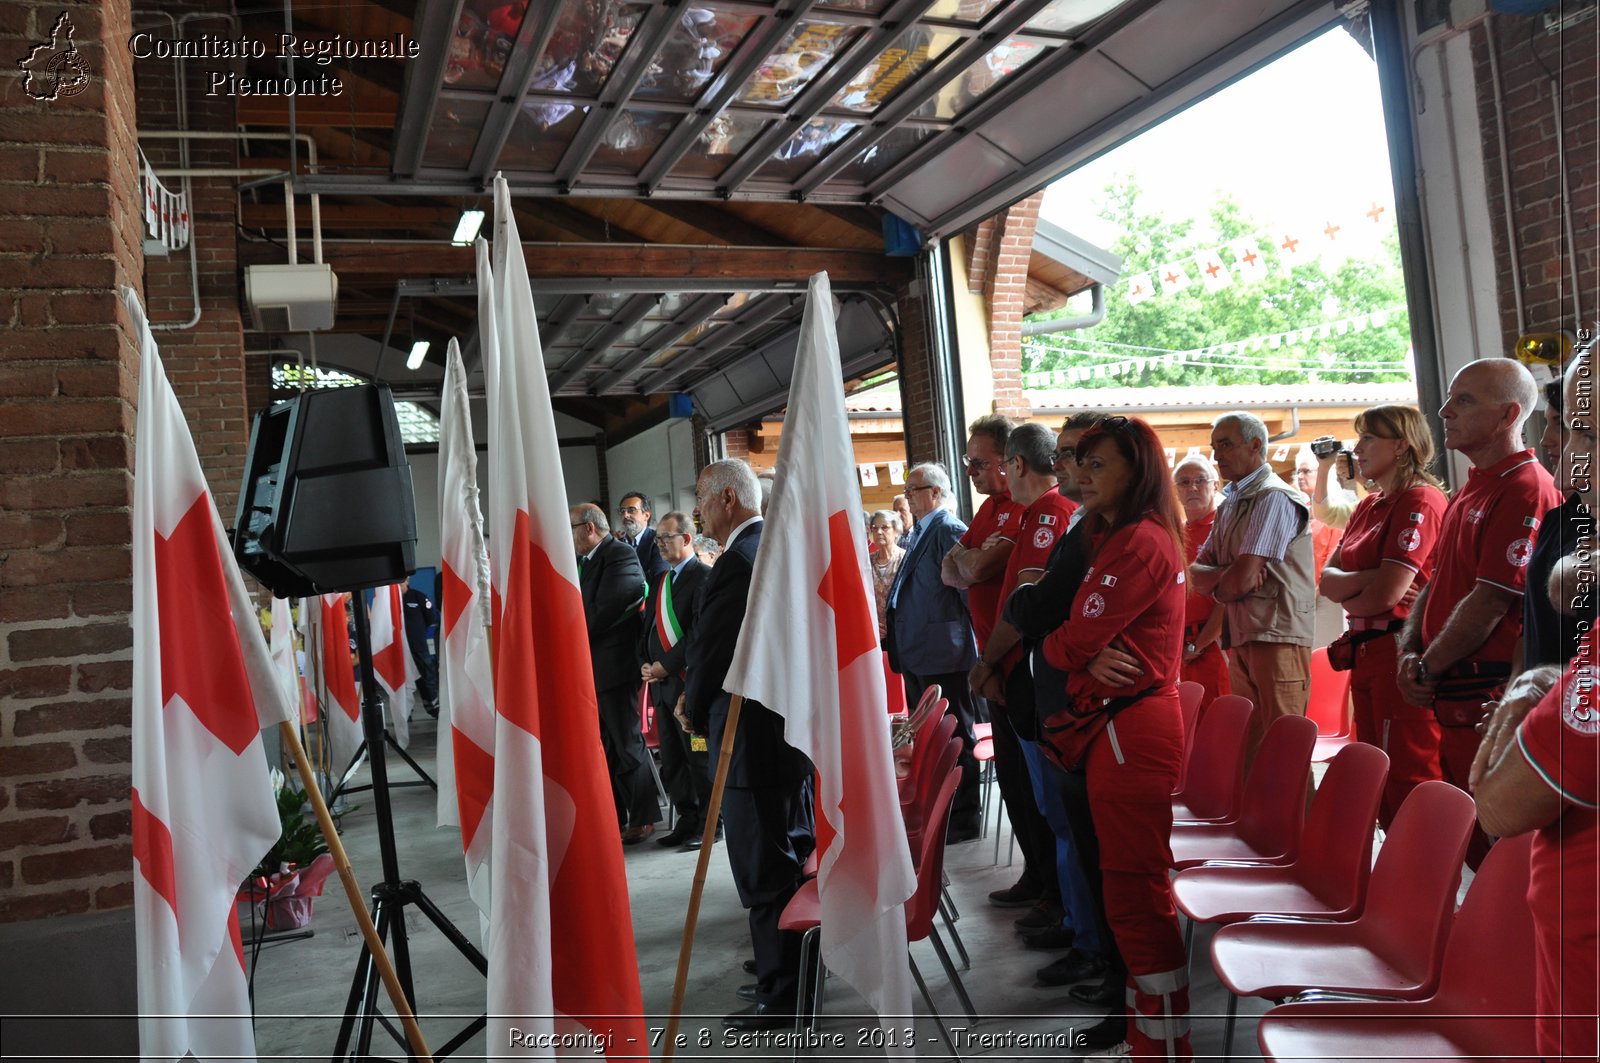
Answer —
(327, 503)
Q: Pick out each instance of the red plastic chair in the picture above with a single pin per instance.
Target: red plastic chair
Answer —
(1214, 783)
(1484, 1008)
(1394, 947)
(1189, 695)
(803, 915)
(1273, 811)
(1329, 706)
(926, 778)
(926, 742)
(1328, 881)
(652, 743)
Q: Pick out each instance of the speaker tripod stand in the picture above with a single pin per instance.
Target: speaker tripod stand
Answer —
(391, 896)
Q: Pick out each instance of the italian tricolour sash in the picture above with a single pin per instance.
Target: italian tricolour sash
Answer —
(668, 629)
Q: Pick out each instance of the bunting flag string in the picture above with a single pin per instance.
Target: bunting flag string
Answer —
(166, 214)
(1242, 353)
(1247, 259)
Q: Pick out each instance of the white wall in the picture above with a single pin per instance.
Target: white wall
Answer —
(580, 468)
(659, 461)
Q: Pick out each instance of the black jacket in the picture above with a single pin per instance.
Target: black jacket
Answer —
(685, 597)
(612, 584)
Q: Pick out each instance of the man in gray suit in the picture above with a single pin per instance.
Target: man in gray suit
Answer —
(929, 632)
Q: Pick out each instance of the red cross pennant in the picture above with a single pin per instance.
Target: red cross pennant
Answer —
(1332, 231)
(1289, 244)
(1171, 278)
(1212, 269)
(1376, 213)
(1249, 258)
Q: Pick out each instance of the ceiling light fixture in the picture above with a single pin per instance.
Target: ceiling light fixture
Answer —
(467, 228)
(419, 351)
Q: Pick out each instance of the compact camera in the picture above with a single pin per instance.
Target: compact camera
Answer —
(1325, 447)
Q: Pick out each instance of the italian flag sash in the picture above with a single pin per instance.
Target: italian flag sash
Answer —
(668, 630)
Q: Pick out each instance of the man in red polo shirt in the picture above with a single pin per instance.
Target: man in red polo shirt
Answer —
(977, 564)
(1457, 645)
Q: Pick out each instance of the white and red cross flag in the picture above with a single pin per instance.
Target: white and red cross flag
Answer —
(1247, 261)
(466, 679)
(560, 948)
(1213, 271)
(1174, 278)
(392, 664)
(1140, 288)
(203, 688)
(326, 624)
(809, 652)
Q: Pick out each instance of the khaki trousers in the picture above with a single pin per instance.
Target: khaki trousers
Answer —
(1276, 677)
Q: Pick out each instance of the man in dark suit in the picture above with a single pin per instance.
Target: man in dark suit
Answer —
(766, 806)
(634, 529)
(613, 591)
(929, 632)
(669, 616)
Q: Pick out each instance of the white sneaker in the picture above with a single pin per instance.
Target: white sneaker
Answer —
(1124, 1050)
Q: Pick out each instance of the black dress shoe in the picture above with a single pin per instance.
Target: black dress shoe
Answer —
(961, 832)
(748, 991)
(760, 1017)
(1111, 1030)
(1020, 895)
(1099, 994)
(1055, 937)
(749, 966)
(1043, 916)
(1075, 966)
(676, 836)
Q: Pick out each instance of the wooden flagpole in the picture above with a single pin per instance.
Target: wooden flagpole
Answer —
(708, 838)
(352, 890)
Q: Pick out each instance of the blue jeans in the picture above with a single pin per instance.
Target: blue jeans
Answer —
(1076, 899)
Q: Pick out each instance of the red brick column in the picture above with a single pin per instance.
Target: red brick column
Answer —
(68, 371)
(1013, 244)
(1532, 67)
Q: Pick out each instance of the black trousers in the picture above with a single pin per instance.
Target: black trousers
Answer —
(685, 772)
(632, 788)
(771, 833)
(1033, 834)
(967, 807)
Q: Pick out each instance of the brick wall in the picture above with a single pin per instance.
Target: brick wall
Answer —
(68, 371)
(1532, 67)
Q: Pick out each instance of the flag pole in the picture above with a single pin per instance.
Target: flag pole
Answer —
(352, 890)
(708, 839)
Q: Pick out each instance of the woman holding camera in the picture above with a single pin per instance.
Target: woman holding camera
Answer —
(1385, 558)
(1122, 648)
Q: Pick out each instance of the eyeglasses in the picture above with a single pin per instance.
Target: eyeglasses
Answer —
(882, 527)
(1187, 483)
(580, 524)
(920, 487)
(1064, 454)
(975, 464)
(1111, 424)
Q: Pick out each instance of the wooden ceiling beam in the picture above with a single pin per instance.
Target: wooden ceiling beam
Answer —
(717, 223)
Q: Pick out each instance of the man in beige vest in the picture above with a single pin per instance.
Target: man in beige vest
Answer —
(1257, 564)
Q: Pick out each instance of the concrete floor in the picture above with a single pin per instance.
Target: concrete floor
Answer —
(301, 985)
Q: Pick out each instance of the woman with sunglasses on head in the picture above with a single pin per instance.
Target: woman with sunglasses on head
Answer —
(1384, 559)
(1122, 649)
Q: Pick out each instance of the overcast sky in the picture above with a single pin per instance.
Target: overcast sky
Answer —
(1298, 141)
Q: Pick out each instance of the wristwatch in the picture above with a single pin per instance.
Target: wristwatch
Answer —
(1422, 670)
(1189, 647)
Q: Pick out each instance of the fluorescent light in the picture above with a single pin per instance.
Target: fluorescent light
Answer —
(419, 351)
(467, 228)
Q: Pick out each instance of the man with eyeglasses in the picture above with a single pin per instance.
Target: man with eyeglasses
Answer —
(1257, 563)
(635, 530)
(929, 634)
(613, 589)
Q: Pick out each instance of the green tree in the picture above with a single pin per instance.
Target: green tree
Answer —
(1234, 335)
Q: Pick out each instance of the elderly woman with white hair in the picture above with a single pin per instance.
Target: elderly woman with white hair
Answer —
(1199, 491)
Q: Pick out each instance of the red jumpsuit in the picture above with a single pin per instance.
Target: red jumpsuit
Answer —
(1488, 535)
(1210, 668)
(1560, 739)
(1135, 590)
(1402, 530)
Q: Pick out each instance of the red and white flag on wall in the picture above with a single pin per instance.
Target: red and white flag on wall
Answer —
(466, 679)
(392, 663)
(560, 948)
(203, 688)
(808, 651)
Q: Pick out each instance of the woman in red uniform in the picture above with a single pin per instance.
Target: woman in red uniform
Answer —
(1203, 662)
(1121, 647)
(1386, 556)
